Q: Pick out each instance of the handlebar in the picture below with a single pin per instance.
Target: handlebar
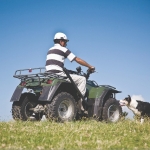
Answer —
(80, 72)
(89, 72)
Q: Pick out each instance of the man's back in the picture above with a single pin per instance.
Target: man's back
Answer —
(56, 56)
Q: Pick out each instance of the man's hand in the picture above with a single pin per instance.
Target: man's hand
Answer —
(92, 68)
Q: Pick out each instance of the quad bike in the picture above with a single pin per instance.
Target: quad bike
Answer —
(61, 99)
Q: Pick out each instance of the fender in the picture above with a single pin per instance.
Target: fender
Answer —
(48, 92)
(19, 96)
(99, 102)
(17, 93)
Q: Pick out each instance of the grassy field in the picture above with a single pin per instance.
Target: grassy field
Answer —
(87, 134)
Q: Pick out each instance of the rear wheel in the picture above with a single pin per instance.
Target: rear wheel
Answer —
(62, 108)
(111, 111)
(16, 111)
(21, 109)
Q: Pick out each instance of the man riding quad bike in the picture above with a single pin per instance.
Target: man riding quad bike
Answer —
(60, 94)
(61, 98)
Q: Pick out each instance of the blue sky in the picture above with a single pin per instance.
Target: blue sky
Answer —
(112, 35)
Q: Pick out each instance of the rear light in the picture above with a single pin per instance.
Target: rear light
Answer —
(23, 83)
(49, 81)
(30, 70)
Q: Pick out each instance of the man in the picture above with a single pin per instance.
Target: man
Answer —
(55, 63)
(55, 60)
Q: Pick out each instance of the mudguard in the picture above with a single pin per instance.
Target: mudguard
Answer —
(17, 93)
(48, 92)
(99, 102)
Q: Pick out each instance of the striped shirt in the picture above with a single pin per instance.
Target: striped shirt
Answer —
(56, 57)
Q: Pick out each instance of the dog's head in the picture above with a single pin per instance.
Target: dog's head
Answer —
(126, 101)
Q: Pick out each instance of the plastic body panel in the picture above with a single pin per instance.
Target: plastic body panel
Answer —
(48, 92)
(97, 95)
(17, 93)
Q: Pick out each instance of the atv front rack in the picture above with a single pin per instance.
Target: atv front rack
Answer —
(111, 87)
(108, 86)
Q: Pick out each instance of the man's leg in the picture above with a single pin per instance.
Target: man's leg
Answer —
(80, 81)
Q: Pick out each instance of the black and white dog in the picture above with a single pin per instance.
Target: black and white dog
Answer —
(138, 107)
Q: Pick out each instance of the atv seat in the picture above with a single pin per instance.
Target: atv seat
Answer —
(53, 75)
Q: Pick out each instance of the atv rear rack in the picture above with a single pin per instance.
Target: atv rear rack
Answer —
(18, 74)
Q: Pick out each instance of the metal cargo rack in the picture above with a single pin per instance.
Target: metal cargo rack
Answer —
(19, 74)
(108, 86)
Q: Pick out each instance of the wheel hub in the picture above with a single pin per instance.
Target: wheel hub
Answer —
(27, 108)
(65, 109)
(113, 113)
(29, 112)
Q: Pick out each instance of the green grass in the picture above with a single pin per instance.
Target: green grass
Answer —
(125, 134)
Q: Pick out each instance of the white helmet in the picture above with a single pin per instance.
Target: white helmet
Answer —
(60, 36)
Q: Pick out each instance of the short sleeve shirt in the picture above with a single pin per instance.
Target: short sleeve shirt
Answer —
(56, 57)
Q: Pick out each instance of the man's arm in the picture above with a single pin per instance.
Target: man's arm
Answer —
(84, 63)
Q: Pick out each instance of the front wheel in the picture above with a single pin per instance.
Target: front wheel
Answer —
(62, 108)
(111, 111)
